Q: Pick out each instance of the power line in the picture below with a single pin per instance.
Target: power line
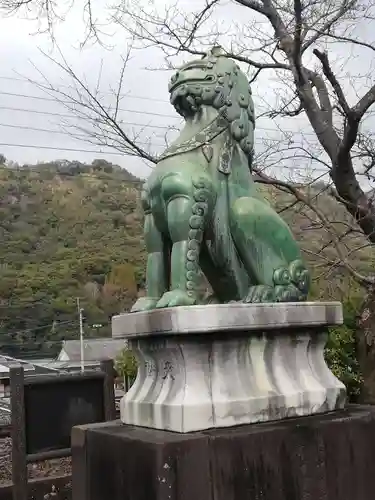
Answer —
(49, 131)
(23, 305)
(76, 150)
(37, 328)
(141, 181)
(132, 96)
(51, 99)
(173, 117)
(83, 136)
(56, 324)
(32, 146)
(31, 342)
(37, 111)
(52, 341)
(19, 343)
(67, 174)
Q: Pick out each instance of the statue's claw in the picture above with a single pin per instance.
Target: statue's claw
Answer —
(211, 299)
(289, 293)
(260, 293)
(176, 298)
(144, 304)
(280, 293)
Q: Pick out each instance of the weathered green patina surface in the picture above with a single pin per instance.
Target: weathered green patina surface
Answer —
(203, 212)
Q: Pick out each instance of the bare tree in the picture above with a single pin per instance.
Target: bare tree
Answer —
(297, 40)
(46, 13)
(293, 29)
(95, 121)
(330, 237)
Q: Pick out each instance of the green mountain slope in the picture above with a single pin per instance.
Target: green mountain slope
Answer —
(66, 230)
(70, 230)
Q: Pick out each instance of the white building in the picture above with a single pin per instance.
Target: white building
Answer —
(94, 350)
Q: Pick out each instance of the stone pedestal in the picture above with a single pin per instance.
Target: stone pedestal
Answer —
(218, 366)
(330, 457)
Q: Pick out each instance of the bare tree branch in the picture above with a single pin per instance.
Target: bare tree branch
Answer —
(106, 129)
(48, 13)
(325, 30)
(328, 73)
(297, 192)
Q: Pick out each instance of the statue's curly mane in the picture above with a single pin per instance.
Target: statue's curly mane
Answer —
(222, 85)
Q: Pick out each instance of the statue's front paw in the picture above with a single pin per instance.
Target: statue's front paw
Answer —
(144, 304)
(176, 298)
(260, 294)
(289, 294)
(210, 299)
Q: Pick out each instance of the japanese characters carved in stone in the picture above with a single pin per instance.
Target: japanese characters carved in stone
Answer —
(203, 212)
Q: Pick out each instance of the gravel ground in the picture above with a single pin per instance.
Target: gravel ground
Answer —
(55, 467)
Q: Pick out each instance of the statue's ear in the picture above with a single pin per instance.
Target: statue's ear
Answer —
(217, 50)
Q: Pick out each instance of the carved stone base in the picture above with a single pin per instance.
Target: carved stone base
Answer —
(215, 366)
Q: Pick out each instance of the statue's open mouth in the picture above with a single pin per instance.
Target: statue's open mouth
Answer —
(185, 96)
(185, 105)
(185, 93)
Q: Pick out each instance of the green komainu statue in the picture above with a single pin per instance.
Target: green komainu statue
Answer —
(203, 212)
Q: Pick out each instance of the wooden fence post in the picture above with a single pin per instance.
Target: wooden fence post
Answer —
(19, 464)
(109, 390)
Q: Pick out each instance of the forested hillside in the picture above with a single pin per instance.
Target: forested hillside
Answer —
(71, 230)
(67, 230)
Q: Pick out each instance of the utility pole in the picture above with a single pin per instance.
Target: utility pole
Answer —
(80, 311)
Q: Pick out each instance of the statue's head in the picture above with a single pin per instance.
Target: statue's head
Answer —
(217, 81)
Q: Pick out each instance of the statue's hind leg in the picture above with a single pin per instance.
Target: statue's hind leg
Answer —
(187, 205)
(269, 253)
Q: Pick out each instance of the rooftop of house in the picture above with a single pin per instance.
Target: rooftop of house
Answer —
(69, 366)
(93, 349)
(29, 368)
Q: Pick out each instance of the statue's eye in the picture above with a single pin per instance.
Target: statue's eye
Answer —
(210, 78)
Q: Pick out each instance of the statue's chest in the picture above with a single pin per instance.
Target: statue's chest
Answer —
(175, 174)
(171, 180)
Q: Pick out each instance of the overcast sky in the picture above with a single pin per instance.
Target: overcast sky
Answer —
(24, 107)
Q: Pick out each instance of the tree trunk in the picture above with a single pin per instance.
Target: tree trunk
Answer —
(365, 337)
